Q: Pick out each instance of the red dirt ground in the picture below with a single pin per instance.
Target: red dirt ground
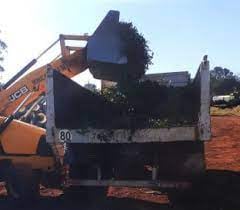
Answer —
(223, 152)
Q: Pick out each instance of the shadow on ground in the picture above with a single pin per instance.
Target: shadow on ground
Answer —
(59, 203)
(219, 190)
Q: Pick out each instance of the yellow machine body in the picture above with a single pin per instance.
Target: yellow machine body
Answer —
(19, 143)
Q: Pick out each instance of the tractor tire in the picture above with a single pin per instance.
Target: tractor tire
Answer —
(22, 183)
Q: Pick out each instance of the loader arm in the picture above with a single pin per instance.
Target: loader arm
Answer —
(34, 81)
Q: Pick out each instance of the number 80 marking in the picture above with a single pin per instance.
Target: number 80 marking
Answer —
(65, 135)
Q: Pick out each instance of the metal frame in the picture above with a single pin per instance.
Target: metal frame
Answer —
(129, 183)
(204, 123)
(65, 50)
(101, 136)
(50, 138)
(50, 106)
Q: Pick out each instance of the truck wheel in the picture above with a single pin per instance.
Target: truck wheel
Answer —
(22, 183)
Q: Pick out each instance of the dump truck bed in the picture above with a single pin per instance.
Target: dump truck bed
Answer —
(102, 148)
(68, 104)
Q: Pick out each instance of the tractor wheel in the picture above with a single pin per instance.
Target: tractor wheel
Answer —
(22, 183)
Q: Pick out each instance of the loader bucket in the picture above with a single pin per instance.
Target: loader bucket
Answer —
(105, 44)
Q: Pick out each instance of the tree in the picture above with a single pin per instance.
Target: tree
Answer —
(3, 48)
(221, 73)
(137, 50)
(223, 81)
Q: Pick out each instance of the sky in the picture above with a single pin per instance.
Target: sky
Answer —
(179, 32)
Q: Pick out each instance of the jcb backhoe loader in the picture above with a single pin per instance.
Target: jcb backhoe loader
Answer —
(25, 157)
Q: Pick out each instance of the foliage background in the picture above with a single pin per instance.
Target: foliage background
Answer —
(223, 81)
